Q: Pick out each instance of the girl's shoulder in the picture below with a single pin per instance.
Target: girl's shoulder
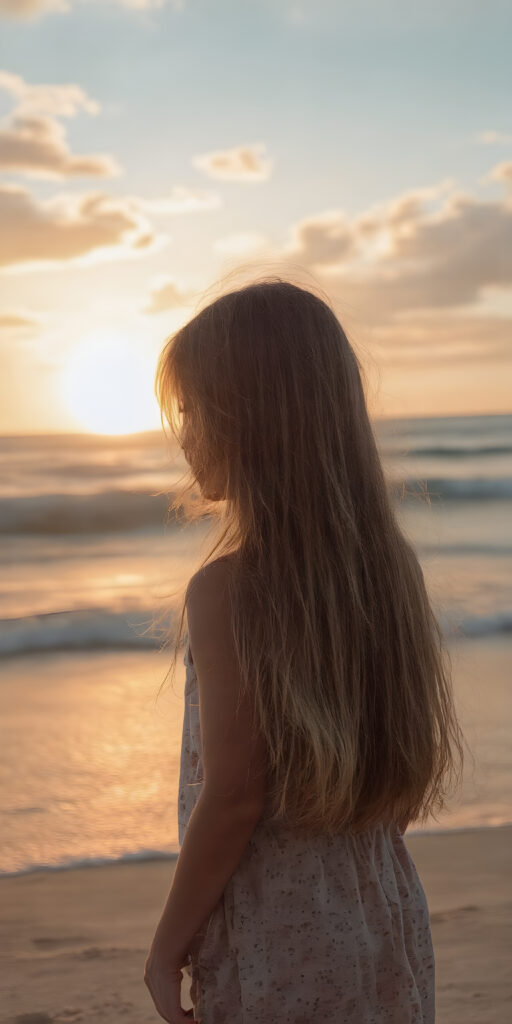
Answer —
(210, 576)
(208, 605)
(207, 602)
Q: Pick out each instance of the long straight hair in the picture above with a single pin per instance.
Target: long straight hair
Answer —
(332, 624)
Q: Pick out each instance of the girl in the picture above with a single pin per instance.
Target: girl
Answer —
(319, 716)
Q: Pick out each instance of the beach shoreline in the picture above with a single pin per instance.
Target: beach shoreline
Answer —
(74, 941)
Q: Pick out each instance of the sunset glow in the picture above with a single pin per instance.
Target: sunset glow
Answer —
(136, 186)
(107, 385)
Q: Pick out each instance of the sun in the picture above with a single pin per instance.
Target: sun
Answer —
(107, 384)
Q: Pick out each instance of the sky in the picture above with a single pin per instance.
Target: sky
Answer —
(153, 150)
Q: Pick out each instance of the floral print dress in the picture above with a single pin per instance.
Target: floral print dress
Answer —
(309, 930)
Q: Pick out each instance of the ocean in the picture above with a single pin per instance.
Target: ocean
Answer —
(89, 758)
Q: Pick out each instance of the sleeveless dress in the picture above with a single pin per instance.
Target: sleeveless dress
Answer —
(307, 931)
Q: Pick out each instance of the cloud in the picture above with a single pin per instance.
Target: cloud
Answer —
(58, 100)
(441, 338)
(168, 294)
(323, 240)
(68, 227)
(502, 173)
(401, 256)
(32, 8)
(181, 200)
(26, 9)
(37, 146)
(490, 138)
(242, 163)
(33, 142)
(425, 276)
(14, 320)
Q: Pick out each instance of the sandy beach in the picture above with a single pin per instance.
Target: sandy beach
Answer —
(74, 942)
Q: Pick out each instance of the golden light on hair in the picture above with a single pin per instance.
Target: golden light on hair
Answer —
(332, 624)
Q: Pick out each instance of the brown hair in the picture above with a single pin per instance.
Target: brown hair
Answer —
(332, 624)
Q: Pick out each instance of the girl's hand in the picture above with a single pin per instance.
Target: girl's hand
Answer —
(163, 979)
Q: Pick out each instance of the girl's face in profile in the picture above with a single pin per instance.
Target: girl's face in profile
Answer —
(211, 477)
